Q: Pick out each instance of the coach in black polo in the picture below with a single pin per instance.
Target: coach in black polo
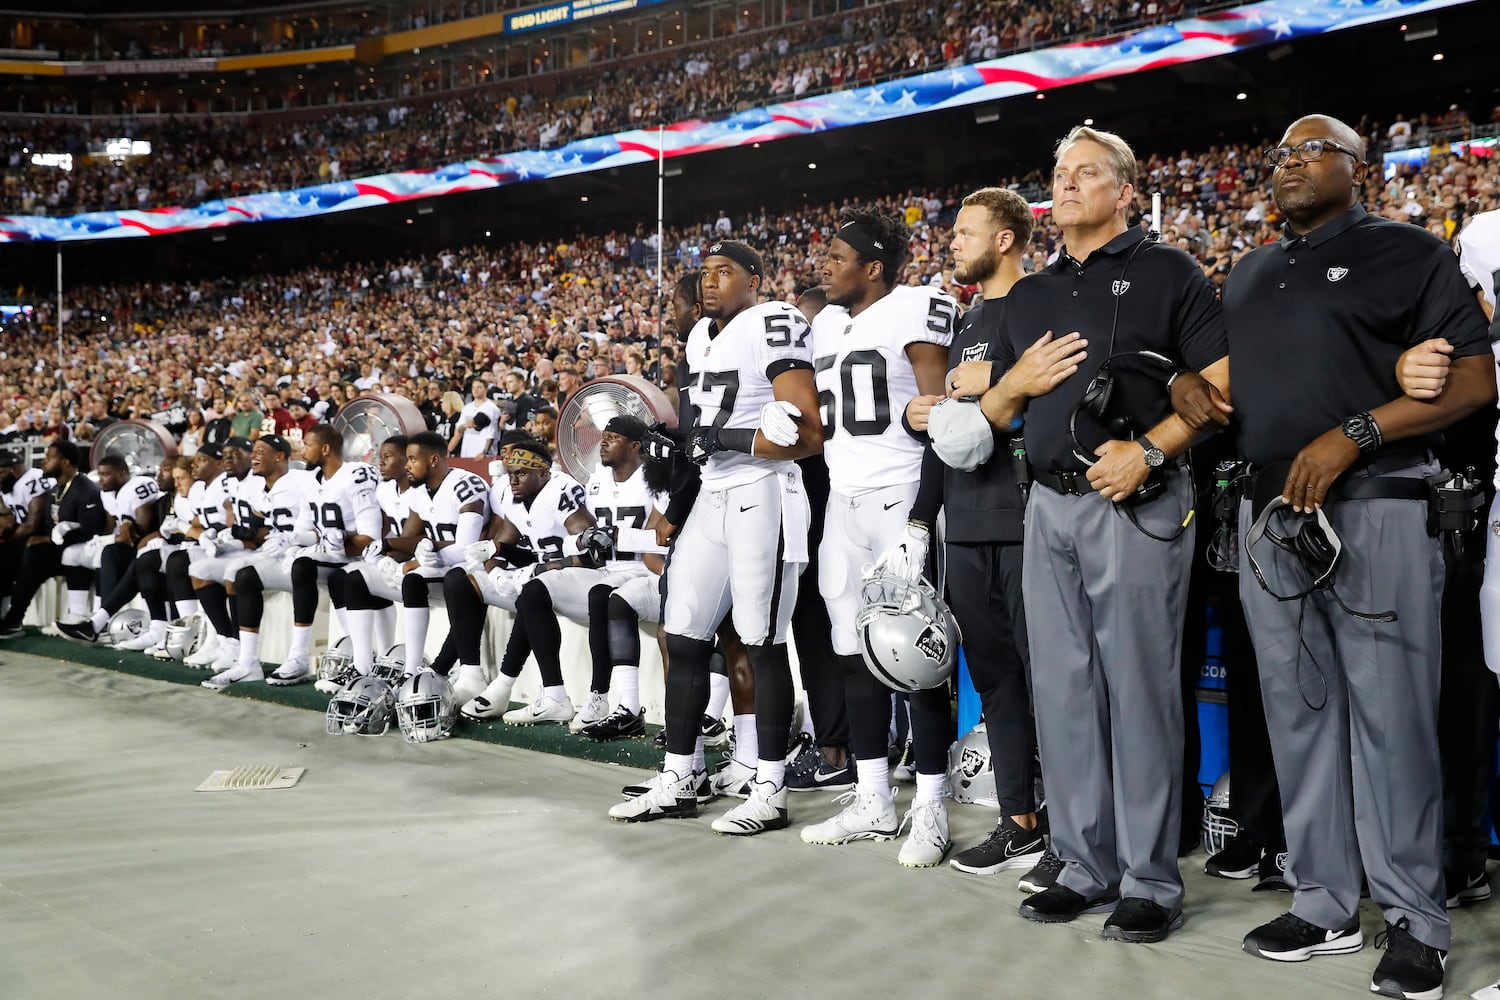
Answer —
(1106, 569)
(1316, 323)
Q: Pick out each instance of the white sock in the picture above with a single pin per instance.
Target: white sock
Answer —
(414, 621)
(807, 724)
(718, 695)
(78, 603)
(186, 609)
(699, 762)
(384, 624)
(98, 604)
(930, 787)
(498, 692)
(772, 772)
(746, 742)
(101, 620)
(342, 614)
(626, 682)
(301, 640)
(249, 648)
(678, 763)
(158, 632)
(557, 692)
(362, 639)
(874, 776)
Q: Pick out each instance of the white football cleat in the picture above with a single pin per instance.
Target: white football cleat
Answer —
(667, 797)
(235, 675)
(764, 810)
(467, 680)
(493, 703)
(544, 709)
(866, 816)
(293, 670)
(596, 709)
(207, 652)
(928, 840)
(734, 780)
(145, 640)
(229, 655)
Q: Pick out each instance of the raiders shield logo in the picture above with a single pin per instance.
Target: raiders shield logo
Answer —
(932, 643)
(1120, 287)
(1337, 273)
(976, 352)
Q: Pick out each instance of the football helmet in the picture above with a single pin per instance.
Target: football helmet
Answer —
(127, 624)
(183, 637)
(362, 708)
(425, 709)
(907, 635)
(337, 664)
(971, 771)
(390, 666)
(1219, 828)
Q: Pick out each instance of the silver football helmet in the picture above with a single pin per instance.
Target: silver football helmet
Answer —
(362, 708)
(337, 664)
(971, 771)
(1219, 828)
(390, 666)
(127, 624)
(425, 709)
(907, 635)
(183, 636)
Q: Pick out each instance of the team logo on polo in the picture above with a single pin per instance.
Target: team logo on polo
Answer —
(1337, 273)
(976, 352)
(1120, 287)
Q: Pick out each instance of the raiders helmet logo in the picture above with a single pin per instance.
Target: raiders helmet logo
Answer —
(1337, 273)
(1120, 287)
(1495, 528)
(976, 352)
(932, 643)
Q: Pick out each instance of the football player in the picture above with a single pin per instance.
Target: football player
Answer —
(341, 521)
(535, 532)
(205, 511)
(876, 346)
(266, 524)
(23, 496)
(220, 536)
(753, 414)
(130, 514)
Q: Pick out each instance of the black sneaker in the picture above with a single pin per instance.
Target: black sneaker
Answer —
(1044, 875)
(1289, 938)
(705, 788)
(11, 631)
(82, 631)
(797, 745)
(1240, 859)
(1141, 921)
(1007, 846)
(817, 775)
(1409, 969)
(660, 739)
(1466, 888)
(617, 725)
(715, 733)
(1272, 873)
(1059, 904)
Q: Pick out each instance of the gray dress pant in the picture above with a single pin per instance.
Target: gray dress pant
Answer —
(1104, 611)
(1352, 711)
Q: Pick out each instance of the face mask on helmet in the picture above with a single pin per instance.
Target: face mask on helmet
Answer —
(908, 637)
(1219, 827)
(363, 708)
(390, 666)
(183, 636)
(337, 664)
(425, 710)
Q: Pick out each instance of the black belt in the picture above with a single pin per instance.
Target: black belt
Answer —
(1072, 484)
(1389, 460)
(1381, 488)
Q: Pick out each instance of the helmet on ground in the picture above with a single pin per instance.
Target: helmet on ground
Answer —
(425, 709)
(183, 637)
(907, 635)
(390, 666)
(127, 624)
(362, 708)
(1219, 827)
(971, 770)
(337, 664)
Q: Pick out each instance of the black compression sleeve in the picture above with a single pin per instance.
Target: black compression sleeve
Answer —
(930, 493)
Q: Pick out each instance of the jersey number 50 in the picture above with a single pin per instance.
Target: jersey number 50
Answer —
(868, 395)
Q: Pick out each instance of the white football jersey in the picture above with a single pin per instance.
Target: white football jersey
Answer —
(391, 497)
(439, 510)
(184, 507)
(29, 485)
(1479, 259)
(347, 501)
(209, 504)
(543, 524)
(121, 504)
(865, 380)
(279, 506)
(730, 380)
(625, 505)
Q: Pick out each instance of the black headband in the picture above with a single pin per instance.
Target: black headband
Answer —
(741, 255)
(632, 428)
(857, 236)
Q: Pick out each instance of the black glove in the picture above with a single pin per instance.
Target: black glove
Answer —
(659, 444)
(701, 443)
(598, 543)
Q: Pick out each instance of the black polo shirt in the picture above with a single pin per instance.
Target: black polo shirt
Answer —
(1165, 304)
(1318, 320)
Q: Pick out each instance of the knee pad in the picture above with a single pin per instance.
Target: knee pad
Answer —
(246, 579)
(304, 572)
(413, 591)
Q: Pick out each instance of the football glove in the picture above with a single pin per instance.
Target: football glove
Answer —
(598, 543)
(778, 423)
(907, 558)
(658, 444)
(61, 529)
(425, 555)
(479, 552)
(702, 443)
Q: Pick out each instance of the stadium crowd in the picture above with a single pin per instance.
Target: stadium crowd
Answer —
(197, 158)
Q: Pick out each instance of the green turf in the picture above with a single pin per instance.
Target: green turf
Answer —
(546, 738)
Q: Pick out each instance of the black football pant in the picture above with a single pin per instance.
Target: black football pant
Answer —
(39, 564)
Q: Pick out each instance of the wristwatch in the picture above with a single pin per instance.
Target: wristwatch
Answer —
(1363, 431)
(1155, 457)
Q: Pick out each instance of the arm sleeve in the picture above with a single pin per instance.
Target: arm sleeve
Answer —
(686, 482)
(470, 524)
(637, 541)
(368, 520)
(930, 491)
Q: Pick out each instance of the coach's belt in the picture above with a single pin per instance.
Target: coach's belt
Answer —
(1072, 484)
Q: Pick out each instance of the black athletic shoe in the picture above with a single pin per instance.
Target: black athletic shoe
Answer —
(620, 724)
(1240, 859)
(660, 739)
(715, 733)
(11, 631)
(1409, 969)
(813, 773)
(82, 631)
(1059, 904)
(1043, 875)
(1272, 873)
(1008, 846)
(1466, 888)
(1141, 921)
(1289, 938)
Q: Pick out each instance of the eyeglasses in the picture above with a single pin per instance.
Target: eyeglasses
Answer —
(1306, 151)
